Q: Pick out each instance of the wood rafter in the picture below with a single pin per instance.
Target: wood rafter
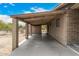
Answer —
(39, 18)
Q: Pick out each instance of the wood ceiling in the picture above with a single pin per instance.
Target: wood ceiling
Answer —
(38, 18)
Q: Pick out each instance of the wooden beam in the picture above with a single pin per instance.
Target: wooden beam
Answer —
(15, 34)
(75, 6)
(45, 18)
(40, 14)
(39, 21)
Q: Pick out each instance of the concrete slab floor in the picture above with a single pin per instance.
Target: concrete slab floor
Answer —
(42, 46)
(74, 47)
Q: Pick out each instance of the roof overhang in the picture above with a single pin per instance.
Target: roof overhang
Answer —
(42, 17)
(38, 18)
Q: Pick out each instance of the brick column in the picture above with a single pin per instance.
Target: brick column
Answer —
(15, 34)
(47, 28)
(27, 33)
(30, 29)
(73, 26)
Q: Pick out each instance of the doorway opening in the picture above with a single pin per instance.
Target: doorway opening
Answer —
(44, 28)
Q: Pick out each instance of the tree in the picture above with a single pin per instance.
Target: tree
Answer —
(9, 27)
(5, 26)
(2, 25)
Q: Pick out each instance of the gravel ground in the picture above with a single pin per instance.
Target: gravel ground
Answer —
(6, 43)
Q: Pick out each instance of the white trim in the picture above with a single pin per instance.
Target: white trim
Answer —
(24, 40)
(73, 50)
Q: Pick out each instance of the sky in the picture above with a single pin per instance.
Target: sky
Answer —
(7, 9)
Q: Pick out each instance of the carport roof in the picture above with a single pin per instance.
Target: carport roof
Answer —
(42, 17)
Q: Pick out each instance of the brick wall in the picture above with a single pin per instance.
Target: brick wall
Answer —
(36, 29)
(68, 30)
(73, 26)
(58, 31)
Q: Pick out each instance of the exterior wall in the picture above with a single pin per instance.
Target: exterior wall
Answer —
(73, 26)
(36, 29)
(68, 30)
(59, 32)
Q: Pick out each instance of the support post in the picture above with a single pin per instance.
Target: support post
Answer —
(15, 34)
(26, 28)
(30, 29)
(47, 28)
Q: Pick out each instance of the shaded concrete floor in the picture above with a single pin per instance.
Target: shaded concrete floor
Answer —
(42, 46)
